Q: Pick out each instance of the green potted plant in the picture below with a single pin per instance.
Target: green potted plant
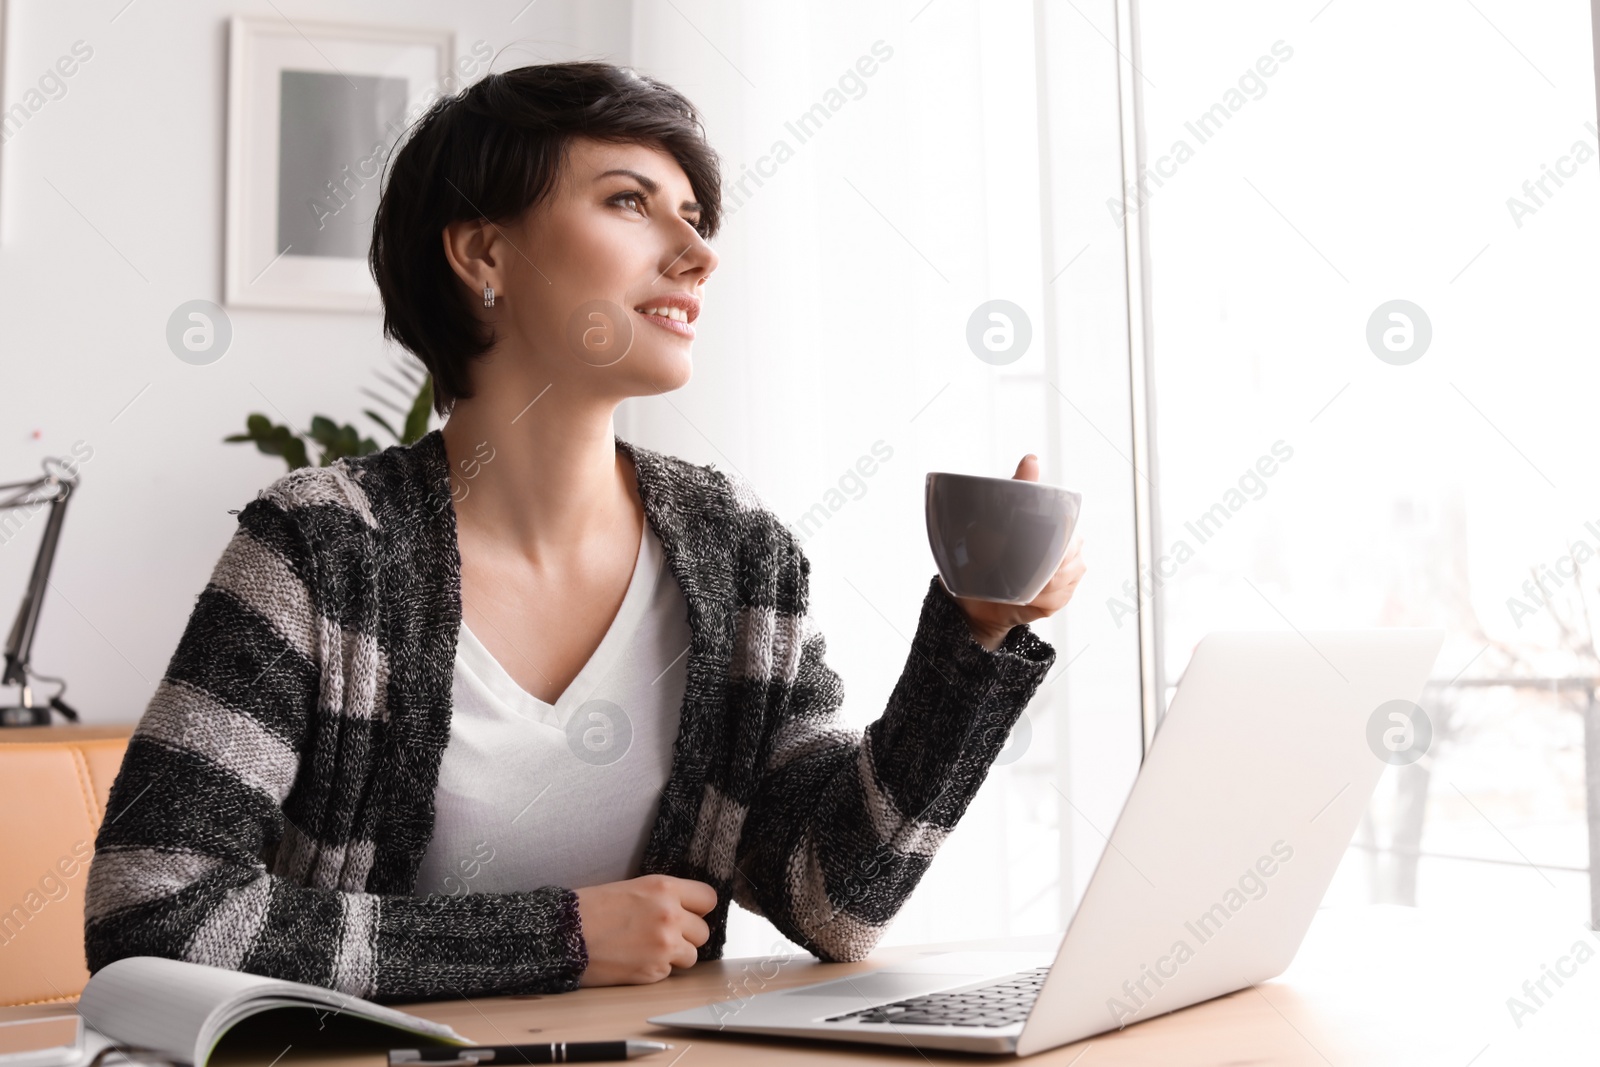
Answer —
(410, 397)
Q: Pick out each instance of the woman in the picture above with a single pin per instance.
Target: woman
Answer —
(523, 706)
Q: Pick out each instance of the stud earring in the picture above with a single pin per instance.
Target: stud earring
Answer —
(488, 296)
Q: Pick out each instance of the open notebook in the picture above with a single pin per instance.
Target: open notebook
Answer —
(182, 1010)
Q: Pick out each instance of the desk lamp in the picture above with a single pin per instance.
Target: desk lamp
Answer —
(53, 488)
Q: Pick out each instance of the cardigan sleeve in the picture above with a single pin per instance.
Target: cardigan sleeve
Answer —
(196, 813)
(844, 823)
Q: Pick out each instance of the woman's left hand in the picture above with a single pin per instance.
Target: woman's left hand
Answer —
(992, 621)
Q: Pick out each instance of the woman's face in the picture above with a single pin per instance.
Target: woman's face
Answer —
(598, 285)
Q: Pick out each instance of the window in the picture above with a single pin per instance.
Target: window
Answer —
(1372, 260)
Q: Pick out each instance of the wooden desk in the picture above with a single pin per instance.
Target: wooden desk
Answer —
(1370, 987)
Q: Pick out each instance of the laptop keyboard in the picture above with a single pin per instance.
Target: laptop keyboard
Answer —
(997, 1004)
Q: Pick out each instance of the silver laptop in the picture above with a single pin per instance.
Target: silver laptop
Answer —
(1246, 802)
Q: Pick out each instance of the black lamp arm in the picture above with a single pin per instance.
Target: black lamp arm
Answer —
(54, 488)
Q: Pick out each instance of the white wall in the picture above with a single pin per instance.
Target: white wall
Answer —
(111, 215)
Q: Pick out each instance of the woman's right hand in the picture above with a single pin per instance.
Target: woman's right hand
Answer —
(638, 930)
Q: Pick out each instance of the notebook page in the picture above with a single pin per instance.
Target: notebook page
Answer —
(183, 1009)
(162, 1004)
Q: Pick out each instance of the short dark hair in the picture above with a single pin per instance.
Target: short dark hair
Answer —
(492, 151)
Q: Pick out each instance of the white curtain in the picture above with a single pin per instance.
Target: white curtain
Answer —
(883, 178)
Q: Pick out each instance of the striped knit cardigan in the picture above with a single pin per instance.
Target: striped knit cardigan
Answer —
(277, 795)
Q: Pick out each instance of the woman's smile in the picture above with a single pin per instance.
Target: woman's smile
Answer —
(673, 312)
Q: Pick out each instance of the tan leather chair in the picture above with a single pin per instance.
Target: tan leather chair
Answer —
(54, 781)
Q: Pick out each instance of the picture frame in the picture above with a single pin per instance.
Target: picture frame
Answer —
(314, 112)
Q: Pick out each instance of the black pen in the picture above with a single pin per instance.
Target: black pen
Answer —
(556, 1052)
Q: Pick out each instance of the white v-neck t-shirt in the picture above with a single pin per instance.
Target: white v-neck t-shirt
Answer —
(532, 794)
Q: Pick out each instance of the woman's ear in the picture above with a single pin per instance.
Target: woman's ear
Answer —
(469, 249)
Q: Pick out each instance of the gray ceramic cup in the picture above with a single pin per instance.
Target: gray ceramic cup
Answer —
(998, 538)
